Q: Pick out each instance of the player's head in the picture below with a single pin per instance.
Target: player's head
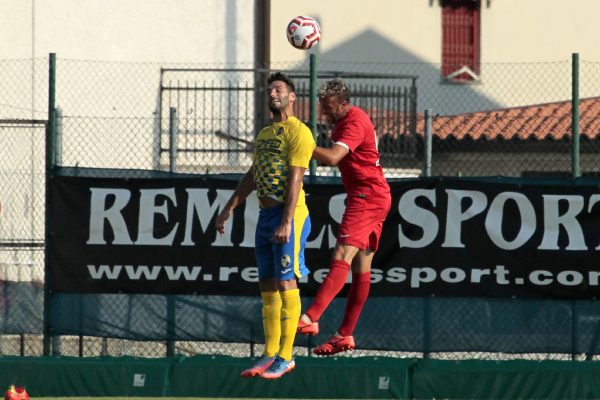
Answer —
(334, 97)
(280, 76)
(281, 92)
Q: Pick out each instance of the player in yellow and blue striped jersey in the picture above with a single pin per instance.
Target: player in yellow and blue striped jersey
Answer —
(282, 153)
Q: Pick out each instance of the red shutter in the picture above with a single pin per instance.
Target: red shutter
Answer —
(460, 39)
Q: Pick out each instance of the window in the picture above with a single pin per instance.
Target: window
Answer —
(460, 40)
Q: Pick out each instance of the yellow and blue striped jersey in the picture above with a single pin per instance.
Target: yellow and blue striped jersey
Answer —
(279, 146)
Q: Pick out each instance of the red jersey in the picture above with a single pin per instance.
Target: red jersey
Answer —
(360, 168)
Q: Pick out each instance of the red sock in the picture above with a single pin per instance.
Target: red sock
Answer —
(357, 297)
(331, 286)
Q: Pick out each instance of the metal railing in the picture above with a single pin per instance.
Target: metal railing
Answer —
(217, 119)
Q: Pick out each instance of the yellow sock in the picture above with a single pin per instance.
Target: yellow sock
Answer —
(290, 313)
(271, 317)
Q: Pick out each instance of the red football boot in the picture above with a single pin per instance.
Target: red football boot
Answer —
(336, 344)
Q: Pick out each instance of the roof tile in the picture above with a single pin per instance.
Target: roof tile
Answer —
(540, 121)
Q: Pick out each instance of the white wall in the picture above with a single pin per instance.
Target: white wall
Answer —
(526, 48)
(413, 25)
(110, 99)
(512, 30)
(129, 30)
(534, 30)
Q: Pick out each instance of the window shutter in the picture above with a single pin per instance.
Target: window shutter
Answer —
(460, 40)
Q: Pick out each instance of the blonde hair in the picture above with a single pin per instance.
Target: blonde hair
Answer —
(335, 87)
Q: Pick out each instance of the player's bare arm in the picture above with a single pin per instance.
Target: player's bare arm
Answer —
(243, 189)
(330, 156)
(294, 184)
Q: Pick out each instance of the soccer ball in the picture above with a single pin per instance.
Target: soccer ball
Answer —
(303, 32)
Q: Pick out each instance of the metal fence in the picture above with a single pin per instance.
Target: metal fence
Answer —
(516, 121)
(209, 124)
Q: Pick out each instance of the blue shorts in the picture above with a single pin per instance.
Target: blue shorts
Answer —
(283, 261)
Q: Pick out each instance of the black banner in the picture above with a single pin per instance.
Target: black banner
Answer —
(443, 237)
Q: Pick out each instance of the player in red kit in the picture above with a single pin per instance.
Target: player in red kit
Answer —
(354, 151)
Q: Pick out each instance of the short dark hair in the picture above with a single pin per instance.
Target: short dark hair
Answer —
(280, 76)
(335, 87)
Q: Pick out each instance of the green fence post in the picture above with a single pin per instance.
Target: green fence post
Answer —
(428, 143)
(575, 115)
(574, 330)
(171, 321)
(313, 108)
(575, 171)
(50, 159)
(172, 139)
(427, 173)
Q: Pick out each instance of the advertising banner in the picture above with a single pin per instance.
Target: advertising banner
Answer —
(443, 237)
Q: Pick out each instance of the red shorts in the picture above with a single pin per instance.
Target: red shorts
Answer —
(363, 219)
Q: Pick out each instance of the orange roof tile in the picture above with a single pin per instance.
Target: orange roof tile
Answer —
(541, 121)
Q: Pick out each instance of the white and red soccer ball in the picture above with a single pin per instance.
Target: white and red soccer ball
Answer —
(303, 32)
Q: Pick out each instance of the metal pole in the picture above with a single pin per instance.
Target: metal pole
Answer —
(50, 162)
(171, 321)
(172, 168)
(413, 117)
(56, 348)
(427, 327)
(104, 347)
(427, 300)
(427, 138)
(313, 108)
(574, 330)
(262, 55)
(59, 130)
(157, 147)
(172, 139)
(575, 116)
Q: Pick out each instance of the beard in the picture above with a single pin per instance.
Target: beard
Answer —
(330, 118)
(278, 106)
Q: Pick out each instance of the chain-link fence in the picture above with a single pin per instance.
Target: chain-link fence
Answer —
(208, 117)
(515, 121)
(22, 183)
